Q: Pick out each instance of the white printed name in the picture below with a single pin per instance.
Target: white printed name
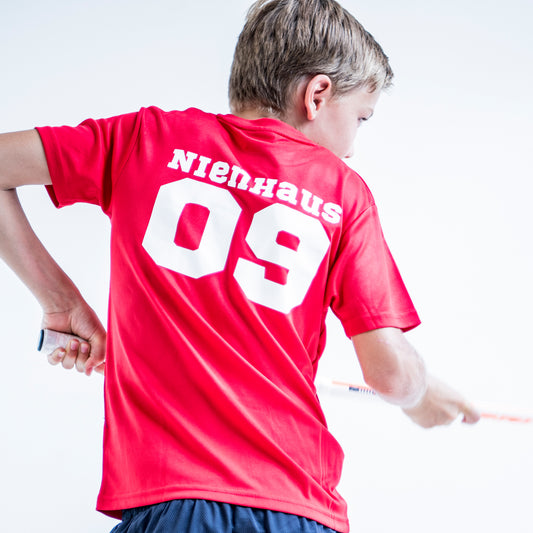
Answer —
(233, 176)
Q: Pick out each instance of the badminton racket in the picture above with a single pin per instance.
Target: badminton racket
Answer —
(364, 390)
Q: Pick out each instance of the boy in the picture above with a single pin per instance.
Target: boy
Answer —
(231, 237)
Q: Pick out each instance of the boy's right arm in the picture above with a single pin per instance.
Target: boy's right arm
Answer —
(393, 368)
(23, 162)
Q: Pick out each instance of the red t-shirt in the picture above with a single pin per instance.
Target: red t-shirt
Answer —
(230, 239)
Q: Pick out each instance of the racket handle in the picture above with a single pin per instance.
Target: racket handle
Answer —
(50, 340)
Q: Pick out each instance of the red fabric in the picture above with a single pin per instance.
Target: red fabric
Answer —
(209, 389)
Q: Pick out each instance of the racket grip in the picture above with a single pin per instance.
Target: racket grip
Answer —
(50, 340)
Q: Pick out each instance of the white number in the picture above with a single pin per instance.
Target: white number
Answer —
(302, 263)
(301, 260)
(212, 253)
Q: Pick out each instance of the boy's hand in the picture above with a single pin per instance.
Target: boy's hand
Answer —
(441, 405)
(83, 322)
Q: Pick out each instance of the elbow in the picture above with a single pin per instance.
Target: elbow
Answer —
(391, 366)
(386, 382)
(403, 385)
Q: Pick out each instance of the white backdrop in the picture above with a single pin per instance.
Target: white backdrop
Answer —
(447, 157)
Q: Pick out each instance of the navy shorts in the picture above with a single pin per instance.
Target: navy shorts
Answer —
(202, 516)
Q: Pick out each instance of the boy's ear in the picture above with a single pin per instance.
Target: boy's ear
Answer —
(318, 92)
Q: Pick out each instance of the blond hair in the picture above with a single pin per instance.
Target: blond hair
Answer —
(285, 41)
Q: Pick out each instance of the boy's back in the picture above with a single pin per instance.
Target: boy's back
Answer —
(230, 240)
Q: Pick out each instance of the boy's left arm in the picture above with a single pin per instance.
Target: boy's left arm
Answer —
(393, 368)
(23, 162)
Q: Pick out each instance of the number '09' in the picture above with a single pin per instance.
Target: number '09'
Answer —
(210, 257)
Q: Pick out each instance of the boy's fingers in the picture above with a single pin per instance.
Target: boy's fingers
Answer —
(83, 355)
(56, 356)
(100, 369)
(76, 355)
(70, 355)
(97, 355)
(65, 355)
(471, 414)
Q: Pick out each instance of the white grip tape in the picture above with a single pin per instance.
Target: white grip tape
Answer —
(50, 340)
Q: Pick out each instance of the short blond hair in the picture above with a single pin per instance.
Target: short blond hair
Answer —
(285, 41)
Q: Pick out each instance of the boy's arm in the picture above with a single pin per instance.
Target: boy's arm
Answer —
(23, 162)
(393, 368)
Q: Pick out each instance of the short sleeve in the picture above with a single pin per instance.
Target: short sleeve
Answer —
(84, 161)
(365, 289)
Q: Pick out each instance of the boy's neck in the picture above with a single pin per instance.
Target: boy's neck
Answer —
(252, 114)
